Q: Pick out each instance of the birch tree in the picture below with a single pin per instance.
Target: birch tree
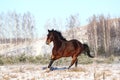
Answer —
(72, 22)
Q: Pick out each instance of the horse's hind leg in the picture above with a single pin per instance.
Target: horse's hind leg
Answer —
(76, 63)
(74, 59)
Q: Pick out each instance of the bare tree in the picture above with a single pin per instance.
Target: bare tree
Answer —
(92, 35)
(103, 35)
(72, 22)
(14, 27)
(53, 24)
(1, 25)
(28, 26)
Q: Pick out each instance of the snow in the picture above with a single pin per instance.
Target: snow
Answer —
(39, 72)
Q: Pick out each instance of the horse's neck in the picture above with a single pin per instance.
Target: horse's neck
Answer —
(57, 42)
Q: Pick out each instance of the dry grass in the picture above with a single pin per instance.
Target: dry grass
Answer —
(78, 70)
(82, 72)
(13, 76)
(6, 77)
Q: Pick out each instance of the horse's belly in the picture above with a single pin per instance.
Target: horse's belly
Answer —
(67, 54)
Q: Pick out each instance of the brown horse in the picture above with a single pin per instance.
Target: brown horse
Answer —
(64, 48)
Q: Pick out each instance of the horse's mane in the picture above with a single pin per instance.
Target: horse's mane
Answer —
(59, 34)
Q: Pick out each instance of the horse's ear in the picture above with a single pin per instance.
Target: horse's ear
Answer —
(52, 29)
(48, 30)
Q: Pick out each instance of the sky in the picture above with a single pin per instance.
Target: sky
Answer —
(43, 10)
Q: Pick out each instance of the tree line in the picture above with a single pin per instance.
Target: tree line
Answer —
(104, 35)
(16, 27)
(103, 32)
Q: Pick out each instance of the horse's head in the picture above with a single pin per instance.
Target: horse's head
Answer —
(54, 35)
(50, 36)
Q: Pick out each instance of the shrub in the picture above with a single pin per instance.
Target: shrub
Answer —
(1, 62)
(22, 58)
(82, 59)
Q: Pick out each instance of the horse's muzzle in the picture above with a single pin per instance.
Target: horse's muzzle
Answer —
(47, 42)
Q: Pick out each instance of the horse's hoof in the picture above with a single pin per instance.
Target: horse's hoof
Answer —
(47, 70)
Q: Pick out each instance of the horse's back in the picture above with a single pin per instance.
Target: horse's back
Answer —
(75, 42)
(71, 47)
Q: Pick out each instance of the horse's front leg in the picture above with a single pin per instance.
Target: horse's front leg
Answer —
(51, 62)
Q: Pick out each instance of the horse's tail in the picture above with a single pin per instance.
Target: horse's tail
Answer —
(87, 50)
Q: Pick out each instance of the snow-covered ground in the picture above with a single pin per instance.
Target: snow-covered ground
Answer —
(82, 72)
